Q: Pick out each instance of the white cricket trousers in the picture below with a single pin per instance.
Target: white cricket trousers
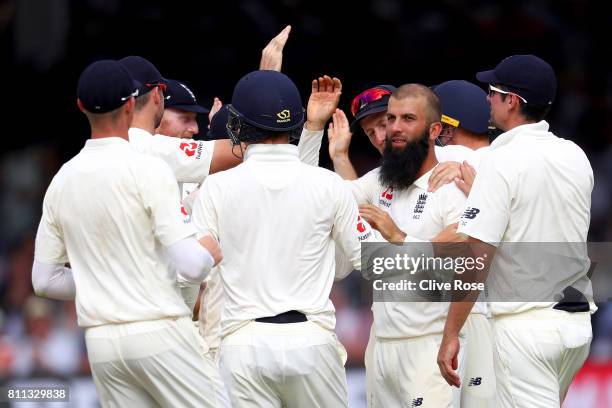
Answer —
(478, 380)
(406, 374)
(293, 365)
(537, 353)
(157, 363)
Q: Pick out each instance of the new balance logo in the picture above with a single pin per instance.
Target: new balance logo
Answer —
(470, 213)
(417, 402)
(475, 381)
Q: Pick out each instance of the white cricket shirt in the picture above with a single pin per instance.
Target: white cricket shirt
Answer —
(533, 187)
(459, 153)
(277, 220)
(109, 211)
(189, 159)
(421, 215)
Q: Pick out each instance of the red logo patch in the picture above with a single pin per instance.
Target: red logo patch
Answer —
(184, 211)
(189, 148)
(360, 227)
(388, 193)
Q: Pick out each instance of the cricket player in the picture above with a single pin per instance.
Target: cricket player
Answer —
(277, 221)
(401, 368)
(323, 100)
(180, 111)
(102, 214)
(462, 103)
(531, 187)
(465, 121)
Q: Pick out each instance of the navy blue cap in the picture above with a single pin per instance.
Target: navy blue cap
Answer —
(142, 71)
(105, 85)
(372, 100)
(218, 124)
(526, 75)
(268, 100)
(179, 96)
(464, 105)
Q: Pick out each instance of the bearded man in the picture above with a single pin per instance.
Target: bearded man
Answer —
(401, 361)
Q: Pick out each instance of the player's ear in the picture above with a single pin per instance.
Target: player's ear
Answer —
(434, 130)
(129, 105)
(159, 99)
(80, 105)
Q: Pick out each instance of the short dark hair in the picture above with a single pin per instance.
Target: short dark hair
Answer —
(434, 108)
(141, 101)
(530, 111)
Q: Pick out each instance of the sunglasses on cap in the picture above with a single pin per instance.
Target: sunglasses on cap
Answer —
(366, 97)
(493, 89)
(160, 85)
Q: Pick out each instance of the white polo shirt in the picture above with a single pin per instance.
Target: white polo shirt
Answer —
(109, 211)
(531, 187)
(189, 159)
(277, 220)
(421, 215)
(459, 153)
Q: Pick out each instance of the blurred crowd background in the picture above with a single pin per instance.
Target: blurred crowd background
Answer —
(45, 44)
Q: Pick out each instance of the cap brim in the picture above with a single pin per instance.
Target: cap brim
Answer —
(190, 108)
(364, 113)
(487, 77)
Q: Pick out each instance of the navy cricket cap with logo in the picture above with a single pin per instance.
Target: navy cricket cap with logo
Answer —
(372, 100)
(105, 85)
(268, 100)
(144, 72)
(179, 96)
(464, 105)
(218, 124)
(526, 75)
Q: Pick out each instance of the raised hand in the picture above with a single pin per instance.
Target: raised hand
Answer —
(339, 135)
(217, 104)
(323, 101)
(272, 54)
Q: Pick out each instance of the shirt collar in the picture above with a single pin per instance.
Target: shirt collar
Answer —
(134, 130)
(528, 128)
(106, 141)
(423, 181)
(271, 152)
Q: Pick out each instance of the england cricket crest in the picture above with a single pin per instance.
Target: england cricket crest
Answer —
(420, 206)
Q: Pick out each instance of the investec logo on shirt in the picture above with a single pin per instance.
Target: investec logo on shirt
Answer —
(386, 197)
(361, 228)
(192, 149)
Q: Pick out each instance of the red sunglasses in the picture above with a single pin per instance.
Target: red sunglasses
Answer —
(366, 97)
(160, 85)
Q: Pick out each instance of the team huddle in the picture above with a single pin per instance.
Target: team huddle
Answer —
(137, 222)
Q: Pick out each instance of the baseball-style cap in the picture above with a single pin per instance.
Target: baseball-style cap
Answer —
(218, 124)
(464, 105)
(526, 75)
(105, 85)
(179, 96)
(144, 72)
(370, 101)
